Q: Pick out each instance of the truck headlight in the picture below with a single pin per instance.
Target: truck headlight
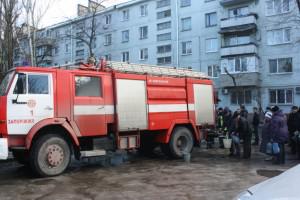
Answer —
(246, 195)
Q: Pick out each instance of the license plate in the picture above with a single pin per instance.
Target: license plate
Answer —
(3, 149)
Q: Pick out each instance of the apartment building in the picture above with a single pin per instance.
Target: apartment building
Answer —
(249, 47)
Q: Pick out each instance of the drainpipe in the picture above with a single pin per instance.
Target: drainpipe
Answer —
(177, 33)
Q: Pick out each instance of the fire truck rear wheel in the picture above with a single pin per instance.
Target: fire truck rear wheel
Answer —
(181, 142)
(50, 155)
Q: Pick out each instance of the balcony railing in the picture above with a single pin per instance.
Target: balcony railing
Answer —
(233, 2)
(238, 23)
(242, 79)
(239, 50)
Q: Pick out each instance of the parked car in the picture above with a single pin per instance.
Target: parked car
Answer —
(282, 187)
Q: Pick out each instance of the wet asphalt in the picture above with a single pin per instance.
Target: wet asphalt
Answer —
(211, 175)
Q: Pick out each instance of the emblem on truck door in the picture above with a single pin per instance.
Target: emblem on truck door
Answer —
(31, 103)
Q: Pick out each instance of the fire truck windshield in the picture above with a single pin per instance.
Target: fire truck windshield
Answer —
(5, 83)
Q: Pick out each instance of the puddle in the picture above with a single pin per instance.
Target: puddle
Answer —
(268, 173)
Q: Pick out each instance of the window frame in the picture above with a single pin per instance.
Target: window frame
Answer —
(144, 54)
(285, 96)
(124, 39)
(143, 32)
(186, 48)
(244, 97)
(184, 22)
(277, 65)
(208, 19)
(271, 39)
(101, 91)
(211, 39)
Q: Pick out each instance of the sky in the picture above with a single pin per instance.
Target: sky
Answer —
(62, 10)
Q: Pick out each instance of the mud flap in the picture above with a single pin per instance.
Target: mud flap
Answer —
(3, 149)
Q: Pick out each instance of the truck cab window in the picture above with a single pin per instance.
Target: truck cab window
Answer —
(38, 84)
(21, 86)
(88, 86)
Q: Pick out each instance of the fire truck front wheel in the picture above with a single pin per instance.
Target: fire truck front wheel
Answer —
(50, 155)
(181, 142)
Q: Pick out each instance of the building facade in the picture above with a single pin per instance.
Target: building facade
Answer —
(249, 47)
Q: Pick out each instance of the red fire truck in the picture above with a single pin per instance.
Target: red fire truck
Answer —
(49, 114)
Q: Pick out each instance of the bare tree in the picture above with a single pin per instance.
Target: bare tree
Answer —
(87, 28)
(9, 13)
(34, 14)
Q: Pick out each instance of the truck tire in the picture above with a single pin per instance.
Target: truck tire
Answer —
(165, 149)
(50, 155)
(181, 142)
(21, 156)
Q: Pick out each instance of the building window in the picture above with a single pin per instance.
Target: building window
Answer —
(163, 3)
(239, 97)
(212, 71)
(125, 15)
(281, 96)
(143, 32)
(164, 37)
(275, 7)
(279, 36)
(238, 12)
(186, 48)
(88, 86)
(211, 19)
(211, 45)
(79, 43)
(239, 64)
(107, 57)
(108, 19)
(56, 50)
(144, 10)
(186, 24)
(185, 3)
(67, 48)
(281, 65)
(144, 54)
(107, 39)
(163, 26)
(163, 14)
(164, 48)
(125, 36)
(234, 40)
(125, 56)
(164, 60)
(80, 52)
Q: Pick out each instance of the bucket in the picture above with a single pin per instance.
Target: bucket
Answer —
(227, 143)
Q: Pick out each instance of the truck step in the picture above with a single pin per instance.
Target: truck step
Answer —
(94, 153)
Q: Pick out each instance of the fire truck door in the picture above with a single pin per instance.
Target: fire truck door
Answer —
(29, 101)
(89, 109)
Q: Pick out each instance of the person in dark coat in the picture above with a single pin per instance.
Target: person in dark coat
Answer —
(240, 129)
(279, 133)
(244, 111)
(255, 123)
(293, 126)
(266, 132)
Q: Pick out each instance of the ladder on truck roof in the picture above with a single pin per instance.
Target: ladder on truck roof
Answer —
(154, 70)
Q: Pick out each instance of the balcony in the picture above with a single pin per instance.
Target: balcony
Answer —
(45, 42)
(239, 50)
(236, 24)
(242, 79)
(233, 2)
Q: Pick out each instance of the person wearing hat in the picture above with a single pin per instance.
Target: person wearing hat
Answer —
(266, 132)
(255, 124)
(279, 133)
(293, 126)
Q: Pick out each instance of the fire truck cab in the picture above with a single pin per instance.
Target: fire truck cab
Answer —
(49, 114)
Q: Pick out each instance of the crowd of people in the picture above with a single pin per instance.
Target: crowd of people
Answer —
(277, 130)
